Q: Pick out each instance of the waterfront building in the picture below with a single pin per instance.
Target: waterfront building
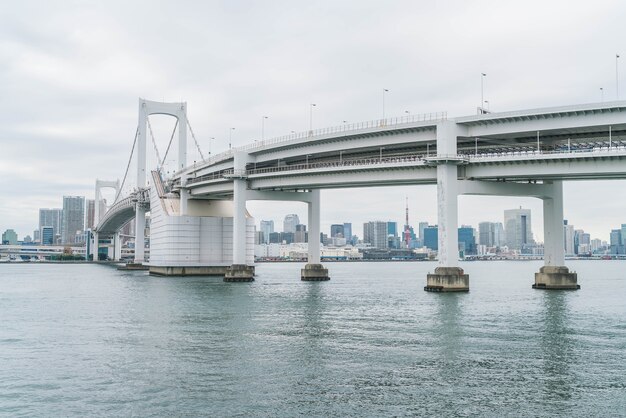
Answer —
(616, 242)
(47, 235)
(487, 234)
(267, 227)
(300, 235)
(290, 222)
(375, 233)
(467, 241)
(421, 227)
(73, 218)
(259, 237)
(51, 218)
(336, 230)
(517, 227)
(9, 237)
(347, 232)
(431, 238)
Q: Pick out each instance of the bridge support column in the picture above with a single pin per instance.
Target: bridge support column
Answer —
(140, 226)
(554, 274)
(117, 247)
(314, 270)
(94, 247)
(448, 276)
(239, 271)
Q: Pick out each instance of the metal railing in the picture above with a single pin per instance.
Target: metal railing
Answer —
(412, 158)
(345, 128)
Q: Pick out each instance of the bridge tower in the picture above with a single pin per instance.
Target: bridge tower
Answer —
(102, 184)
(147, 108)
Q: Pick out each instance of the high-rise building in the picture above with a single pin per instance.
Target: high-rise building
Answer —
(51, 218)
(36, 235)
(616, 242)
(336, 230)
(73, 218)
(467, 241)
(300, 234)
(9, 237)
(375, 233)
(517, 226)
(267, 227)
(421, 227)
(431, 237)
(290, 222)
(623, 235)
(487, 234)
(347, 232)
(47, 235)
(499, 237)
(90, 212)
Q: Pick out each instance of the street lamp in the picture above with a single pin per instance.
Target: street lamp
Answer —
(263, 128)
(307, 160)
(602, 94)
(487, 103)
(617, 76)
(210, 139)
(230, 138)
(311, 117)
(381, 153)
(384, 91)
(482, 91)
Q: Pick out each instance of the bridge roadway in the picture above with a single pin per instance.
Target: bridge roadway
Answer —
(520, 153)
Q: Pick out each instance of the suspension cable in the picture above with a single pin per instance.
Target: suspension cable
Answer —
(170, 144)
(194, 138)
(119, 191)
(154, 142)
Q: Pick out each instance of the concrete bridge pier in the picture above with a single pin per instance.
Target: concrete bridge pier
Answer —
(239, 271)
(314, 270)
(448, 276)
(554, 274)
(117, 247)
(94, 247)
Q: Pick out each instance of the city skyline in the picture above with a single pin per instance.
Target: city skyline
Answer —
(69, 112)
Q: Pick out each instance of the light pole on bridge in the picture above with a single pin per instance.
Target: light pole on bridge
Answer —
(617, 76)
(384, 91)
(602, 94)
(311, 117)
(210, 139)
(263, 128)
(230, 138)
(482, 92)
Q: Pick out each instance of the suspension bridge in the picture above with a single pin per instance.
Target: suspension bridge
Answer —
(200, 225)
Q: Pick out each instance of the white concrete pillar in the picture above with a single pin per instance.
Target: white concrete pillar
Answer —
(447, 215)
(554, 246)
(447, 195)
(239, 221)
(314, 228)
(94, 248)
(117, 242)
(140, 226)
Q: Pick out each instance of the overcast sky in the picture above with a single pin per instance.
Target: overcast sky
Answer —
(71, 73)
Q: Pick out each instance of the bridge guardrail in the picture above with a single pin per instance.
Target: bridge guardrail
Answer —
(348, 127)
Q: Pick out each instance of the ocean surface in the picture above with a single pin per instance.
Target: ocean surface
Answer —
(88, 340)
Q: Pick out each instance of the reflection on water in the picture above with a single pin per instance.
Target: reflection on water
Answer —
(558, 352)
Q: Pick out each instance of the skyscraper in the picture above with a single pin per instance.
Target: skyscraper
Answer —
(290, 222)
(73, 218)
(300, 234)
(422, 226)
(568, 238)
(336, 230)
(375, 233)
(347, 232)
(431, 237)
(267, 227)
(47, 235)
(90, 212)
(51, 218)
(517, 227)
(487, 234)
(467, 241)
